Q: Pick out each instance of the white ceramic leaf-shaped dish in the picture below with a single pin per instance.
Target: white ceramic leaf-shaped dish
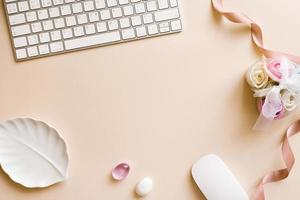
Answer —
(32, 153)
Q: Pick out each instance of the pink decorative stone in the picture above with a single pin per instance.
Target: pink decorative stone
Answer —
(120, 171)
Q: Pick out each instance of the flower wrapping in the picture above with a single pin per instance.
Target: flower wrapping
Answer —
(276, 85)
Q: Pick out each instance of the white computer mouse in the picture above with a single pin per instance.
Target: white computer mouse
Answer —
(216, 181)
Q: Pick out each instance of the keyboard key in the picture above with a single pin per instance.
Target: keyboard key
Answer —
(65, 10)
(92, 40)
(141, 31)
(59, 23)
(78, 31)
(32, 39)
(20, 30)
(113, 25)
(12, 8)
(140, 8)
(17, 19)
(20, 42)
(42, 14)
(147, 18)
(88, 5)
(67, 33)
(58, 2)
(31, 16)
(100, 4)
(9, 1)
(166, 15)
(111, 3)
(136, 20)
(44, 37)
(32, 51)
(94, 16)
(90, 29)
(36, 27)
(116, 12)
(46, 3)
(56, 47)
(77, 8)
(21, 53)
(54, 12)
(105, 14)
(101, 27)
(164, 27)
(151, 6)
(48, 25)
(128, 10)
(124, 22)
(152, 29)
(176, 25)
(163, 4)
(173, 3)
(71, 21)
(70, 1)
(123, 2)
(55, 35)
(44, 49)
(82, 19)
(128, 33)
(34, 4)
(23, 6)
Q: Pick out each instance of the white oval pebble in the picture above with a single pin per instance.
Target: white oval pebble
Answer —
(144, 187)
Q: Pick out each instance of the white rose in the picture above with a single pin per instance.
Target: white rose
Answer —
(264, 91)
(257, 76)
(289, 99)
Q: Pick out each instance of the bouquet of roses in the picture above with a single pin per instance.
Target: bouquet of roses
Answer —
(276, 85)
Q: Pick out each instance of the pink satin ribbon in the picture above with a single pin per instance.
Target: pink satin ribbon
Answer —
(289, 161)
(257, 38)
(256, 32)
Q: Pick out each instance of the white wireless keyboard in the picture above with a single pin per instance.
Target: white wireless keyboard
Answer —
(46, 27)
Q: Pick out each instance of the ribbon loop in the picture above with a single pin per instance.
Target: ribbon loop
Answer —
(256, 32)
(289, 160)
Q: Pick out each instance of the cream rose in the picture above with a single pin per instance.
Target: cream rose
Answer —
(289, 99)
(264, 91)
(257, 77)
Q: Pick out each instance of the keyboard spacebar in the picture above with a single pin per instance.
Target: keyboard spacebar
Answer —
(92, 40)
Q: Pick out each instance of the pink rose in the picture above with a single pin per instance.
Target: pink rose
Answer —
(279, 69)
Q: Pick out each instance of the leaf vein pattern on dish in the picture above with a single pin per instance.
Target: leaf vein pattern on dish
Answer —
(32, 153)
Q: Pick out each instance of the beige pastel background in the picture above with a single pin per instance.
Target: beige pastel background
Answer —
(160, 103)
